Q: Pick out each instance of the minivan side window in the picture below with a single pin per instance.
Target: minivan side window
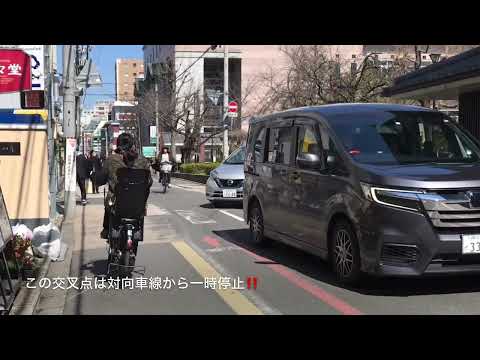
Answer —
(258, 146)
(280, 145)
(327, 144)
(307, 141)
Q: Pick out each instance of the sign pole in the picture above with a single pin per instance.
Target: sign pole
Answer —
(225, 101)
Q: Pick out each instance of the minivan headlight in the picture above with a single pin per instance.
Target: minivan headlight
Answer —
(403, 199)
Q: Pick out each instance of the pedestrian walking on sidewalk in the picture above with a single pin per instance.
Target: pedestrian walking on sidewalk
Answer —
(82, 175)
(94, 167)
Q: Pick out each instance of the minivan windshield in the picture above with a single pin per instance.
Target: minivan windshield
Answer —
(237, 157)
(406, 137)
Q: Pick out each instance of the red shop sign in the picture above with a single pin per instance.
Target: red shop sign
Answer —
(15, 71)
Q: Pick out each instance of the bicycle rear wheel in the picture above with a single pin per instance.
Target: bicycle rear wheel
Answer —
(164, 183)
(125, 268)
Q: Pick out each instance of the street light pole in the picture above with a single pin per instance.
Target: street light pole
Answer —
(157, 128)
(225, 101)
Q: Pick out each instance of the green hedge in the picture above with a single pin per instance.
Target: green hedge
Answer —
(198, 168)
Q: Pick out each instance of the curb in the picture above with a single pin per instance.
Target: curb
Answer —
(27, 299)
(52, 301)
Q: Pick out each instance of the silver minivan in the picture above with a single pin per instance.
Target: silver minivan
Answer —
(226, 181)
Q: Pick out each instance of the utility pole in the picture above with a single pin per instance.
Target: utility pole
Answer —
(70, 128)
(225, 102)
(50, 70)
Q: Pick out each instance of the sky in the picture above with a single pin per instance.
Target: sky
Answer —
(104, 56)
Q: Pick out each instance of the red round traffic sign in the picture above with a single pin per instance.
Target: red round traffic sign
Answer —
(232, 106)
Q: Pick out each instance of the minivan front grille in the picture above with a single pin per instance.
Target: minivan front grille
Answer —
(399, 254)
(451, 209)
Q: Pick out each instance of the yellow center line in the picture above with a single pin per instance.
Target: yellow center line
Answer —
(233, 298)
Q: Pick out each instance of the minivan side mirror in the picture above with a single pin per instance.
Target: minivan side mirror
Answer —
(309, 161)
(331, 161)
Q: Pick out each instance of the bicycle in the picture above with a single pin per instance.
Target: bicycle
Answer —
(165, 170)
(126, 221)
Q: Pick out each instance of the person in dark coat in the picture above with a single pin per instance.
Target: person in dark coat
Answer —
(125, 155)
(95, 167)
(82, 175)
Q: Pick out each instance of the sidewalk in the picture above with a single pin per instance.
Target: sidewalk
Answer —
(51, 301)
(80, 234)
(86, 224)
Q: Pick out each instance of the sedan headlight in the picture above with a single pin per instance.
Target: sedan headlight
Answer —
(403, 199)
(214, 177)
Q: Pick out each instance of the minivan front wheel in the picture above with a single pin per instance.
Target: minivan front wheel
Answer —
(344, 253)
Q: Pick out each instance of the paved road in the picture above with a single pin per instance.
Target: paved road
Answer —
(188, 240)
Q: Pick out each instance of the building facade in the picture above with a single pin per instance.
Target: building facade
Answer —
(202, 73)
(102, 109)
(126, 71)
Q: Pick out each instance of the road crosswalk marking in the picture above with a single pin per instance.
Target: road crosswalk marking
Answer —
(153, 210)
(194, 218)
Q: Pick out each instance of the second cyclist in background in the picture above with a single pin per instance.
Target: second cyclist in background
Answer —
(164, 159)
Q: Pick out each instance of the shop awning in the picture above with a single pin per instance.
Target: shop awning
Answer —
(445, 80)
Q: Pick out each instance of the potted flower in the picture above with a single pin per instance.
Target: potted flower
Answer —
(20, 252)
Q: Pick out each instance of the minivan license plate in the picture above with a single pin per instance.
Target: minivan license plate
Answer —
(230, 193)
(471, 244)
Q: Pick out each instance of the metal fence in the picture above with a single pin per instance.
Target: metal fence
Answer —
(8, 286)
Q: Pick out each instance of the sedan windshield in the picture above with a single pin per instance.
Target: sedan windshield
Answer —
(237, 157)
(404, 138)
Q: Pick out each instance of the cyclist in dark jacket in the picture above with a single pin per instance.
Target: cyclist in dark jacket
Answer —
(124, 156)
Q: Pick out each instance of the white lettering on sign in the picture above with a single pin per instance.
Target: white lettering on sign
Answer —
(15, 69)
(70, 170)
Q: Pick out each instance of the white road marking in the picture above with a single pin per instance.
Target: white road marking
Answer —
(232, 215)
(195, 189)
(194, 218)
(153, 210)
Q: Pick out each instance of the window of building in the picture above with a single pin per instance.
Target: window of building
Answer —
(424, 57)
(353, 67)
(354, 56)
(392, 56)
(337, 56)
(134, 74)
(134, 64)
